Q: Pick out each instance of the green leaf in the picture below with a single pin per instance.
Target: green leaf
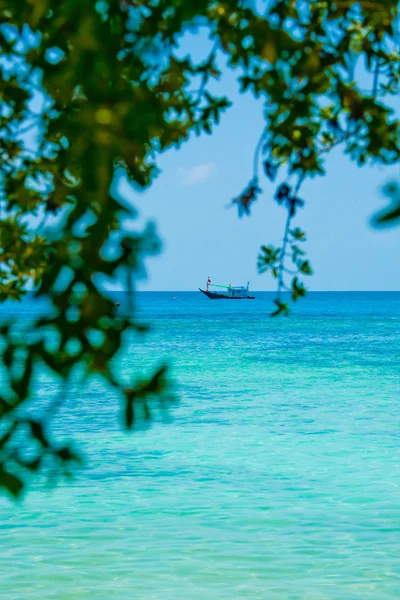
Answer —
(10, 482)
(298, 289)
(305, 267)
(282, 308)
(298, 234)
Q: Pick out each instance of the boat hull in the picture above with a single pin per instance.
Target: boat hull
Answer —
(216, 296)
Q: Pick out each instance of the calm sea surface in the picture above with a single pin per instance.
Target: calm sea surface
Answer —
(279, 477)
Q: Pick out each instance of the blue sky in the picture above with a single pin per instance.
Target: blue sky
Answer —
(201, 237)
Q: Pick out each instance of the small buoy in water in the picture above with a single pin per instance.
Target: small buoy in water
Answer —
(117, 304)
(174, 298)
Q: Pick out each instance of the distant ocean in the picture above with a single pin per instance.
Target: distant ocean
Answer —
(278, 477)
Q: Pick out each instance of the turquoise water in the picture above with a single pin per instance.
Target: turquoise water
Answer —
(278, 478)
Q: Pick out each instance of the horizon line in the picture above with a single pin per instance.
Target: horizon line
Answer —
(265, 291)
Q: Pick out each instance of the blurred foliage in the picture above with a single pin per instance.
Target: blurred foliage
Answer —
(100, 88)
(390, 215)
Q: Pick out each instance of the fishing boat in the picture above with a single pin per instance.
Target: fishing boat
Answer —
(230, 292)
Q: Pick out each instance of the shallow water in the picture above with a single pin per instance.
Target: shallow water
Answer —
(278, 478)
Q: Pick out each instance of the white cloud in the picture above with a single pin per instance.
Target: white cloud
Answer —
(196, 175)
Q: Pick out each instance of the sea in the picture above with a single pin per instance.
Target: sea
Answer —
(275, 475)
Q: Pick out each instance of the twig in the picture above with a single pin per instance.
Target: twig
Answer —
(257, 152)
(376, 79)
(282, 256)
(376, 74)
(204, 78)
(281, 267)
(58, 401)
